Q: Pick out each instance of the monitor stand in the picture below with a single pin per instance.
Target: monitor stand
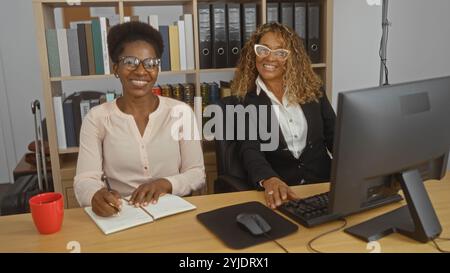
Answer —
(416, 220)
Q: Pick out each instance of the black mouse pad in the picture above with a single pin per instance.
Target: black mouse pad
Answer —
(222, 222)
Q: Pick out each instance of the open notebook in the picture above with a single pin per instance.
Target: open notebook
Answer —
(130, 216)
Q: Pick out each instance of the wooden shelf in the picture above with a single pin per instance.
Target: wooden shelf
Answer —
(64, 160)
(70, 150)
(216, 70)
(320, 65)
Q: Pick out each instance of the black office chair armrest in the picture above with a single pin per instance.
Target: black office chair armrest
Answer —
(227, 183)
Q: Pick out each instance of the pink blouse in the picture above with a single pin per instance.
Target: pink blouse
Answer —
(110, 142)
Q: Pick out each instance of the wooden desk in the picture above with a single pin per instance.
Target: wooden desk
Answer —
(183, 233)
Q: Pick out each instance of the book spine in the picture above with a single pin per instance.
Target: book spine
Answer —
(53, 52)
(85, 106)
(98, 48)
(59, 120)
(153, 21)
(84, 65)
(182, 45)
(74, 52)
(63, 52)
(90, 49)
(69, 124)
(165, 58)
(174, 48)
(104, 35)
(189, 28)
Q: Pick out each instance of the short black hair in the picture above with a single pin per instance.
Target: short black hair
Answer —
(121, 34)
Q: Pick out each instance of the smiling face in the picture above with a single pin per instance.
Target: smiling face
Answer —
(271, 68)
(138, 82)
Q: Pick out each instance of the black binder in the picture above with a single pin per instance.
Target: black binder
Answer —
(249, 20)
(273, 13)
(219, 35)
(287, 14)
(222, 222)
(82, 47)
(314, 43)
(234, 33)
(300, 20)
(204, 34)
(165, 57)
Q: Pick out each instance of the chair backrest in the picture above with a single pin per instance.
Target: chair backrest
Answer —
(227, 151)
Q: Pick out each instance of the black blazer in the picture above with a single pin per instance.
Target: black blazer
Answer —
(313, 165)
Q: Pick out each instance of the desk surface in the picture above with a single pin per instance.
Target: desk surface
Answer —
(183, 233)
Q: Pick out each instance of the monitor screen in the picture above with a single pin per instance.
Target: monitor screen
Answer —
(382, 132)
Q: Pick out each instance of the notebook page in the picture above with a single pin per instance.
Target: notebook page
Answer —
(129, 217)
(169, 204)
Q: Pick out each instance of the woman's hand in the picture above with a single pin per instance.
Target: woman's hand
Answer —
(106, 203)
(277, 192)
(150, 192)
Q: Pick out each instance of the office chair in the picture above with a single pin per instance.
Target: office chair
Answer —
(230, 170)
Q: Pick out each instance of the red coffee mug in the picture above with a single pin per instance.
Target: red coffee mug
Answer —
(47, 210)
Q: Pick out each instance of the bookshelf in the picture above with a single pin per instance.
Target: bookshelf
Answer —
(63, 161)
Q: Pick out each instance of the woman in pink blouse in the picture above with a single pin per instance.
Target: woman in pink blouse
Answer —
(138, 140)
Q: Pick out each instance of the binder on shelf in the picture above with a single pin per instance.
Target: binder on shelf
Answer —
(69, 123)
(97, 46)
(74, 52)
(249, 20)
(219, 34)
(234, 33)
(182, 45)
(189, 35)
(273, 12)
(314, 43)
(104, 35)
(287, 14)
(204, 35)
(63, 52)
(59, 120)
(82, 47)
(165, 58)
(153, 21)
(300, 20)
(51, 39)
(174, 48)
(90, 49)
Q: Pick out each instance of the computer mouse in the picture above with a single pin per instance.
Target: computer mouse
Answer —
(253, 223)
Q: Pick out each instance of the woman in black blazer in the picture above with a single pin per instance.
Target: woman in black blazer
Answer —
(275, 71)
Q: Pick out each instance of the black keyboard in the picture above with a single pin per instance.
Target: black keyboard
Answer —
(310, 211)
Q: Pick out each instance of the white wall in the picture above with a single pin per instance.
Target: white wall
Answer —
(20, 70)
(7, 154)
(418, 45)
(419, 39)
(356, 41)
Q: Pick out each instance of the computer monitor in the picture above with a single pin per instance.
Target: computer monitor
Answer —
(389, 138)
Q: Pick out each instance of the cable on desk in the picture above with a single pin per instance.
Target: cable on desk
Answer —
(438, 247)
(276, 242)
(325, 233)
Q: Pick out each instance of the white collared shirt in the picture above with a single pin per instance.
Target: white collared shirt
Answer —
(291, 119)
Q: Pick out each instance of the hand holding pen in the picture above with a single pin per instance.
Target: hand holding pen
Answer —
(106, 201)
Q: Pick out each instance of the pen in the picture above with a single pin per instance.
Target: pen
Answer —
(108, 186)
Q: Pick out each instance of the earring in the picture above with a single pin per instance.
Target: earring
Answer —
(116, 75)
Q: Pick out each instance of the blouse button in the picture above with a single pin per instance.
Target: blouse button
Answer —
(145, 168)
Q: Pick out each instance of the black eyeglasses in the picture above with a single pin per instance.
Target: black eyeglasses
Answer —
(132, 63)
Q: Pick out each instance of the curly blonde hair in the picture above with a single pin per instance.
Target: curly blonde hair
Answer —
(303, 85)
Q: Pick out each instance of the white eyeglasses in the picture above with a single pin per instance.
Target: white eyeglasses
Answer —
(263, 51)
